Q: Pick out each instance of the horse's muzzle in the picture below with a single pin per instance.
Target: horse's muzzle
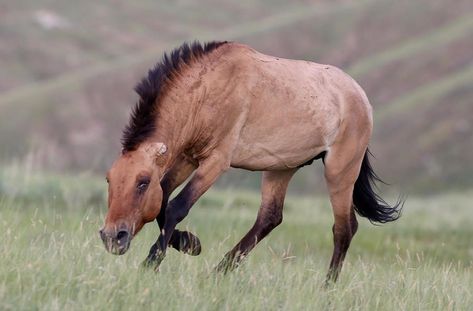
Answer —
(116, 242)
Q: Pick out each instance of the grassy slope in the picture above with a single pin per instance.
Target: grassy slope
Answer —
(399, 51)
(458, 29)
(52, 258)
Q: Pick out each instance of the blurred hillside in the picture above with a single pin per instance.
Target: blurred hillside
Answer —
(68, 69)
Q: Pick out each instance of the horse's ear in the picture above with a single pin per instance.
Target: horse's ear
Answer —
(156, 149)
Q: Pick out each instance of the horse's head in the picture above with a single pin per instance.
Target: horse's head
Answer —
(134, 195)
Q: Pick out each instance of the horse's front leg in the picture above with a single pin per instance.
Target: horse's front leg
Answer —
(206, 174)
(182, 241)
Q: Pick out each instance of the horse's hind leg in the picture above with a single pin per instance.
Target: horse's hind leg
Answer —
(341, 171)
(273, 191)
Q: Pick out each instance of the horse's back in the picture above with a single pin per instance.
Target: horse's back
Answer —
(296, 110)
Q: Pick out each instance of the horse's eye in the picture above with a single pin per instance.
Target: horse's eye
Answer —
(142, 185)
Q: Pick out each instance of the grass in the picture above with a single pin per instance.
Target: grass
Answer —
(53, 259)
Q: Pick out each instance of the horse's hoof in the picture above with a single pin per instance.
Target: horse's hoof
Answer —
(152, 262)
(187, 243)
(146, 265)
(226, 265)
(221, 269)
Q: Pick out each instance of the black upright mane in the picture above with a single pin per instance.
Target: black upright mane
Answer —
(141, 125)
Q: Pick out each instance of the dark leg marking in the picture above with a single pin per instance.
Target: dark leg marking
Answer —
(270, 215)
(343, 232)
(205, 176)
(183, 241)
(175, 212)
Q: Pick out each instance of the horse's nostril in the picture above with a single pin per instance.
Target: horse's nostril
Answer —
(122, 235)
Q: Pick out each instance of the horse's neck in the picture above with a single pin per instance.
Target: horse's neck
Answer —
(172, 128)
(180, 122)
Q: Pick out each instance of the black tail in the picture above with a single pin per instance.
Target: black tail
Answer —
(367, 202)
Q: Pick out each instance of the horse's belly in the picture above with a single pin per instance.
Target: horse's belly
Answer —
(260, 158)
(280, 148)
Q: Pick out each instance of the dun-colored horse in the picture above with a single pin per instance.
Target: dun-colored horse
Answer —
(203, 109)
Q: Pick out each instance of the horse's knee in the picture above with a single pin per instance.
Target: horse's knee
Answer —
(176, 212)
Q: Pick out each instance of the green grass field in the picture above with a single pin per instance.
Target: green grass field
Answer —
(65, 94)
(52, 257)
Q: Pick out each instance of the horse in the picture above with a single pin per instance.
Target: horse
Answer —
(207, 107)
